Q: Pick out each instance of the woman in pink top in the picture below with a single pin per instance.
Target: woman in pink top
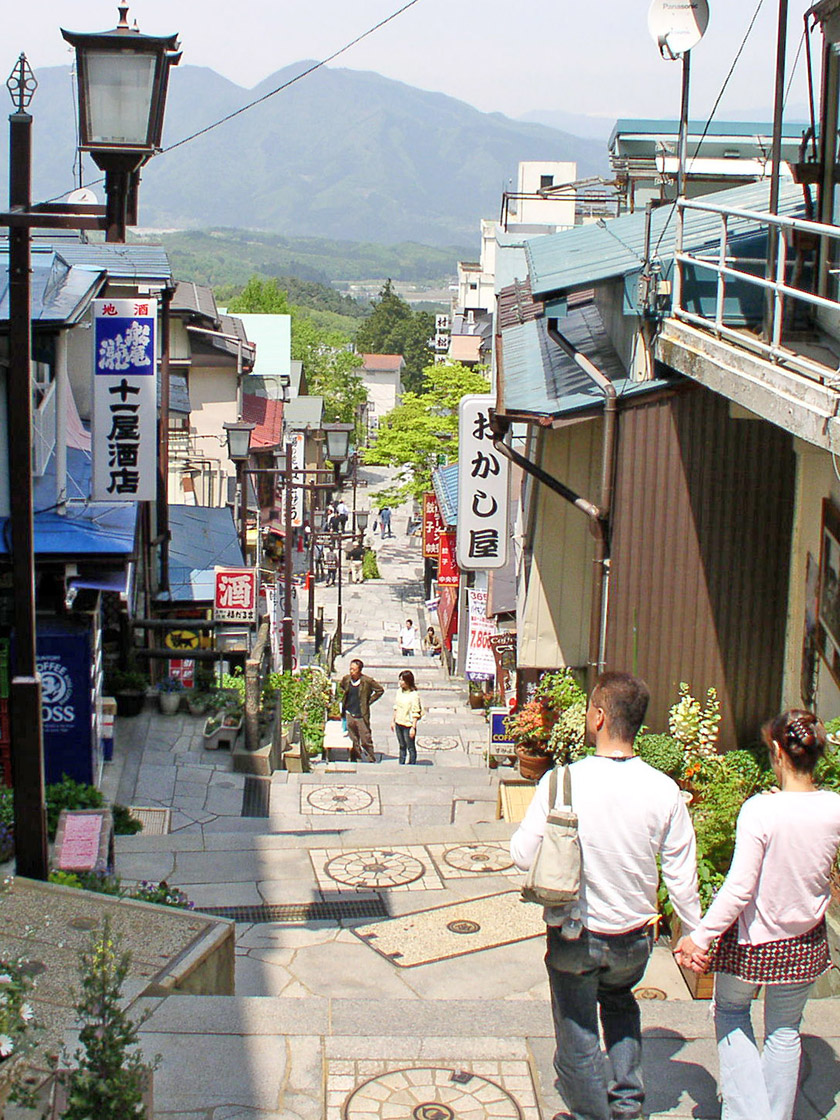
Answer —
(767, 924)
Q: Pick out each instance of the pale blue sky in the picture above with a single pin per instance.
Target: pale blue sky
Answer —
(511, 56)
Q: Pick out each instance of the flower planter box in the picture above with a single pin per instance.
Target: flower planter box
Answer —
(211, 735)
(229, 732)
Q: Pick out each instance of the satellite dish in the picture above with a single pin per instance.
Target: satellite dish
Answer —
(84, 196)
(677, 26)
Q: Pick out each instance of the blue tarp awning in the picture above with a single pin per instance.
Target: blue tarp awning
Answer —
(202, 538)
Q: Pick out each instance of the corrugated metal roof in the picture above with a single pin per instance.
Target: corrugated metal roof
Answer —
(644, 126)
(195, 298)
(93, 529)
(143, 263)
(202, 537)
(267, 414)
(445, 482)
(60, 293)
(591, 254)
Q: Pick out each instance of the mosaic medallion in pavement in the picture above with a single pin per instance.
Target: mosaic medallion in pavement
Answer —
(360, 800)
(438, 743)
(502, 1091)
(373, 869)
(464, 861)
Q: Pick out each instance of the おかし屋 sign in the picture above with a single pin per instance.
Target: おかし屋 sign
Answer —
(235, 599)
(482, 488)
(124, 429)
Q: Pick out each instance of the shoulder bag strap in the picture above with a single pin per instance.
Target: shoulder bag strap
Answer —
(567, 788)
(552, 789)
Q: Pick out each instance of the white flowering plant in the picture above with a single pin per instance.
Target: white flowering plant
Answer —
(17, 1019)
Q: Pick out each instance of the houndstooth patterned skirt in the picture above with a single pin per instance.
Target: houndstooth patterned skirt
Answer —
(792, 961)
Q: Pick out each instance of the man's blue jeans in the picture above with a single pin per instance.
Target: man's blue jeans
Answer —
(758, 1086)
(593, 978)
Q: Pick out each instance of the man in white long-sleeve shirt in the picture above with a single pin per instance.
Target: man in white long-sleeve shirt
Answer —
(628, 814)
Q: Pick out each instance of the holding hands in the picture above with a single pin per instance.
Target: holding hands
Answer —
(690, 956)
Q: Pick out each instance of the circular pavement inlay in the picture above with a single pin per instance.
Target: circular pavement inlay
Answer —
(438, 743)
(463, 926)
(430, 1093)
(340, 799)
(478, 858)
(649, 993)
(375, 868)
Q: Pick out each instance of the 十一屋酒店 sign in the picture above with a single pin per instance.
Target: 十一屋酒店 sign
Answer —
(482, 488)
(124, 428)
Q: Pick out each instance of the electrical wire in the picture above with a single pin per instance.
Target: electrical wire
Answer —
(718, 100)
(794, 69)
(271, 93)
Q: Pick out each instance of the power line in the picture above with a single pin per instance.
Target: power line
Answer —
(258, 101)
(303, 74)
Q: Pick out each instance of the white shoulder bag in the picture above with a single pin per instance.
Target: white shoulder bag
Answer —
(554, 876)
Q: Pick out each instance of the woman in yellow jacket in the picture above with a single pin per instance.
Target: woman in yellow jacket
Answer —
(407, 712)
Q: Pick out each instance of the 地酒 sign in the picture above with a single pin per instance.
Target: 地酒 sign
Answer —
(235, 598)
(432, 526)
(482, 488)
(448, 572)
(124, 428)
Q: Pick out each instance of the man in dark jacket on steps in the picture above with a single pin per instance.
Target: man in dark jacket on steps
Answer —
(359, 693)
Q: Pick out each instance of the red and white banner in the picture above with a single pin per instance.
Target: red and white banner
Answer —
(449, 574)
(432, 526)
(480, 659)
(235, 598)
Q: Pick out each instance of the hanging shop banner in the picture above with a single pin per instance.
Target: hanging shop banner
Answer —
(449, 574)
(448, 614)
(124, 429)
(297, 440)
(503, 646)
(480, 660)
(235, 599)
(432, 526)
(482, 488)
(183, 671)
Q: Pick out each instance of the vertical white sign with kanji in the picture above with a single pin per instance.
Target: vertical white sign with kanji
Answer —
(124, 428)
(235, 599)
(482, 489)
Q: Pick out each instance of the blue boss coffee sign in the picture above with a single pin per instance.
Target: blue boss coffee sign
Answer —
(64, 661)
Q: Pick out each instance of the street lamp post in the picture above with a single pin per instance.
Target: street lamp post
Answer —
(238, 434)
(338, 445)
(127, 100)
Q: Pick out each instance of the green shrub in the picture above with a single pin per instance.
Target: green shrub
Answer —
(68, 794)
(559, 690)
(663, 752)
(124, 823)
(370, 565)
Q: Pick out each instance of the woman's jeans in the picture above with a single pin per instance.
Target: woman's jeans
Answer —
(408, 746)
(590, 978)
(753, 1086)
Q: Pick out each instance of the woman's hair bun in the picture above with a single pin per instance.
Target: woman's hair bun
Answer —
(801, 735)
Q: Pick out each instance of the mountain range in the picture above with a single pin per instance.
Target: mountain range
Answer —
(341, 154)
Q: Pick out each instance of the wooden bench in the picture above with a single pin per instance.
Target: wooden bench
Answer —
(84, 841)
(336, 739)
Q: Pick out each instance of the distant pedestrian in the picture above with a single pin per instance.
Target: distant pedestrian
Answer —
(356, 556)
(385, 521)
(408, 710)
(343, 513)
(318, 552)
(409, 642)
(431, 642)
(331, 563)
(359, 692)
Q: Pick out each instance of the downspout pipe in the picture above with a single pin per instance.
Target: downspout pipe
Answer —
(601, 524)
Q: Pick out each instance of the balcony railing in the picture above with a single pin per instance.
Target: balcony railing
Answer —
(778, 296)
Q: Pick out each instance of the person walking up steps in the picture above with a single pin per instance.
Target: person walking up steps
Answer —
(408, 710)
(385, 521)
(409, 642)
(767, 925)
(359, 693)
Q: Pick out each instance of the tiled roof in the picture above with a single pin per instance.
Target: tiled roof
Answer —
(515, 304)
(267, 414)
(379, 362)
(196, 298)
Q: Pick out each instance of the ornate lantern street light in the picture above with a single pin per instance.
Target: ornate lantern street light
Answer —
(238, 434)
(122, 82)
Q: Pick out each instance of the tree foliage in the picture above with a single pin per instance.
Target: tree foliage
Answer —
(422, 431)
(261, 297)
(393, 328)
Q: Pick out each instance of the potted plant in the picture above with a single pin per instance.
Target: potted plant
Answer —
(198, 702)
(17, 1024)
(530, 731)
(169, 695)
(212, 731)
(476, 697)
(567, 738)
(111, 1080)
(128, 687)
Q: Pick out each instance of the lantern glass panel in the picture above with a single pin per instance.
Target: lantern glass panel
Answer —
(338, 444)
(120, 85)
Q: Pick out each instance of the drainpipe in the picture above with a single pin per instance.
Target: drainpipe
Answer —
(61, 394)
(598, 515)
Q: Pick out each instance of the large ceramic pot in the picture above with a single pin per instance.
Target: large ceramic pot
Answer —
(130, 703)
(169, 702)
(533, 762)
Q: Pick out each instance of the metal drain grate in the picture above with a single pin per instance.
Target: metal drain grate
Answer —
(302, 911)
(256, 796)
(155, 821)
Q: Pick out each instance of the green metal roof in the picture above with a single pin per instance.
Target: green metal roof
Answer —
(642, 126)
(590, 254)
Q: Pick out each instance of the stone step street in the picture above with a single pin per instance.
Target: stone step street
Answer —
(385, 967)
